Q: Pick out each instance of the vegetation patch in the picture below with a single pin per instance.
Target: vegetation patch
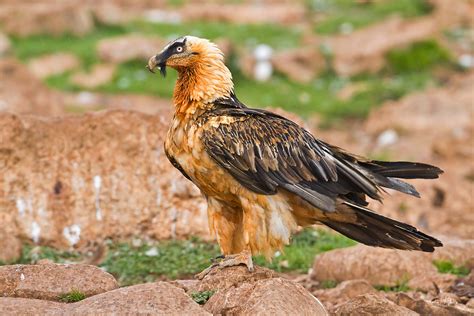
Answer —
(202, 297)
(328, 284)
(343, 16)
(71, 297)
(445, 266)
(401, 286)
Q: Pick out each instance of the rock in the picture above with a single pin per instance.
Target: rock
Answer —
(343, 292)
(445, 306)
(11, 246)
(239, 292)
(45, 17)
(371, 304)
(119, 49)
(53, 64)
(431, 282)
(76, 180)
(5, 45)
(25, 306)
(464, 287)
(244, 13)
(378, 266)
(50, 281)
(458, 251)
(300, 65)
(158, 298)
(91, 101)
(24, 93)
(98, 76)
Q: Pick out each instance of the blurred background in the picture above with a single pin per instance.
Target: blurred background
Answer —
(83, 176)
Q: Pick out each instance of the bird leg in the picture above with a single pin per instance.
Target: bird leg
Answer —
(244, 257)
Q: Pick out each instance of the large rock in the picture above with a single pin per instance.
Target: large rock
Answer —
(13, 306)
(50, 281)
(53, 64)
(372, 304)
(159, 298)
(99, 75)
(439, 306)
(151, 299)
(70, 181)
(120, 49)
(379, 266)
(239, 292)
(24, 93)
(343, 292)
(23, 18)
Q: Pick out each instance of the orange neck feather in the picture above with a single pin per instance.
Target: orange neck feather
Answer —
(201, 83)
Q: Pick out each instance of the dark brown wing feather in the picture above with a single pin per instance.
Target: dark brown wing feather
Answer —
(264, 151)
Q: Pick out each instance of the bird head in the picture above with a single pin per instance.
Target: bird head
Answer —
(184, 52)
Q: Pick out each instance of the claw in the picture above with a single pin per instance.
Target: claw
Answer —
(244, 257)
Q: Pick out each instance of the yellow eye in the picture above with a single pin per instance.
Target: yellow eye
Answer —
(179, 49)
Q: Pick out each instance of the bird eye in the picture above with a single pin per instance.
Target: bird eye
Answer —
(179, 49)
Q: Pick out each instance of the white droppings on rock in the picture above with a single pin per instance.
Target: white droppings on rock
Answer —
(97, 184)
(466, 61)
(35, 232)
(22, 277)
(21, 206)
(263, 67)
(72, 234)
(387, 138)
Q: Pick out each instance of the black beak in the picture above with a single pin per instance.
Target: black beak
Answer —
(157, 61)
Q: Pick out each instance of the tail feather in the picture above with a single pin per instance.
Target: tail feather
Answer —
(403, 169)
(376, 230)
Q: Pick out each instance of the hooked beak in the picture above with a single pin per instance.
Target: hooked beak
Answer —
(157, 61)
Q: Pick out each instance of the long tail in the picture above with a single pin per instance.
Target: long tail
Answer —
(385, 173)
(376, 230)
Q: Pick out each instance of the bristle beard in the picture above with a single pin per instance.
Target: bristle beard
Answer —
(162, 70)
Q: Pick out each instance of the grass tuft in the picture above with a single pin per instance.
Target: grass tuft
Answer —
(202, 297)
(328, 284)
(71, 297)
(401, 286)
(445, 266)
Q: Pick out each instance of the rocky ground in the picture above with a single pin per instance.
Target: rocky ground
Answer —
(82, 166)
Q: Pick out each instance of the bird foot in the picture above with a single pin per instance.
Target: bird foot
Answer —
(245, 258)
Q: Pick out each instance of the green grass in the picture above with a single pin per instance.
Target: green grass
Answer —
(71, 297)
(444, 266)
(420, 56)
(298, 256)
(401, 286)
(348, 13)
(184, 258)
(328, 284)
(407, 70)
(202, 297)
(31, 254)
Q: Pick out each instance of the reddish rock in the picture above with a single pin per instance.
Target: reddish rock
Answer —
(26, 18)
(431, 282)
(245, 13)
(98, 76)
(72, 181)
(443, 305)
(23, 93)
(158, 298)
(372, 304)
(50, 281)
(53, 64)
(300, 65)
(458, 251)
(25, 306)
(120, 49)
(378, 266)
(343, 292)
(239, 292)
